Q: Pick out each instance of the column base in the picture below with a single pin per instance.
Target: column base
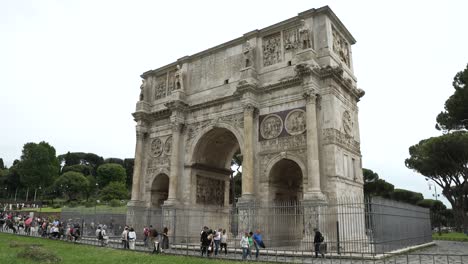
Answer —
(246, 198)
(170, 202)
(315, 197)
(136, 203)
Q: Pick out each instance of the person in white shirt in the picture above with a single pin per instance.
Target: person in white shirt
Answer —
(131, 238)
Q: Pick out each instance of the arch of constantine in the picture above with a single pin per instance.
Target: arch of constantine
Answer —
(284, 97)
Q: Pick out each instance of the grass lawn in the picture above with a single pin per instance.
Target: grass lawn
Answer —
(99, 209)
(44, 210)
(12, 245)
(453, 236)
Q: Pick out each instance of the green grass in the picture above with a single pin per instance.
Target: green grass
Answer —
(12, 245)
(99, 209)
(452, 236)
(44, 210)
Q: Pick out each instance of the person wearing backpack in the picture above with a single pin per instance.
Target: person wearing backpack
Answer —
(100, 235)
(318, 239)
(145, 236)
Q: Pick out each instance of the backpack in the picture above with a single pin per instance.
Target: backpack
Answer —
(100, 236)
(146, 232)
(321, 238)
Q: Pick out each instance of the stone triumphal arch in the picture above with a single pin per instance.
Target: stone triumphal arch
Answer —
(284, 97)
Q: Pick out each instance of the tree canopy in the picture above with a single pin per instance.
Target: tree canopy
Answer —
(455, 115)
(38, 165)
(114, 190)
(110, 172)
(72, 184)
(444, 160)
(374, 186)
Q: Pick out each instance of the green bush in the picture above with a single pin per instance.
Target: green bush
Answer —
(73, 204)
(114, 190)
(115, 203)
(55, 206)
(90, 204)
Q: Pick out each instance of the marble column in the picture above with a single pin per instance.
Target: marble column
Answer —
(313, 191)
(175, 164)
(248, 153)
(137, 169)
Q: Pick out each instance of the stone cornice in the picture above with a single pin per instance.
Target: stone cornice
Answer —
(150, 117)
(283, 83)
(336, 74)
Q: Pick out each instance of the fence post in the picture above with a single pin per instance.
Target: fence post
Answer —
(338, 237)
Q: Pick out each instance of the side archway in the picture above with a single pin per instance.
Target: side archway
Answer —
(286, 174)
(159, 190)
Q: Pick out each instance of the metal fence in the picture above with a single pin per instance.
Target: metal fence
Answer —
(349, 226)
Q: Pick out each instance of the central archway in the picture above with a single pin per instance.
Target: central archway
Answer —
(211, 166)
(159, 190)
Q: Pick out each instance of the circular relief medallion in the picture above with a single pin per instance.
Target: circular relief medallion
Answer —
(156, 147)
(168, 146)
(295, 123)
(347, 123)
(271, 126)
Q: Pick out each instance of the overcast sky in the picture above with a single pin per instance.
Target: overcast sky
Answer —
(69, 70)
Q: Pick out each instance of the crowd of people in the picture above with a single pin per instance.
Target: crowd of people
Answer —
(212, 242)
(46, 227)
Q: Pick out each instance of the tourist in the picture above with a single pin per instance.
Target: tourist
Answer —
(251, 244)
(131, 238)
(124, 238)
(318, 239)
(210, 243)
(153, 235)
(145, 236)
(100, 236)
(216, 240)
(224, 242)
(165, 240)
(258, 242)
(204, 241)
(244, 243)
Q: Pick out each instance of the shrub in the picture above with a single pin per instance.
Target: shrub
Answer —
(90, 204)
(38, 254)
(55, 206)
(73, 204)
(115, 190)
(115, 203)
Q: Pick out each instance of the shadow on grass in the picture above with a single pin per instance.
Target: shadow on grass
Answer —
(35, 252)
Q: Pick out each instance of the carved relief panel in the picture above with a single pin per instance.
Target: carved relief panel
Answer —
(271, 126)
(159, 155)
(291, 39)
(160, 88)
(281, 124)
(272, 49)
(295, 122)
(340, 46)
(347, 123)
(210, 191)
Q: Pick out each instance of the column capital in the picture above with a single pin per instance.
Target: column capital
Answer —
(249, 108)
(310, 97)
(177, 127)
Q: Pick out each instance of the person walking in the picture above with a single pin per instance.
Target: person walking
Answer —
(216, 240)
(318, 239)
(131, 238)
(224, 242)
(100, 236)
(124, 238)
(204, 241)
(244, 243)
(145, 236)
(165, 240)
(258, 242)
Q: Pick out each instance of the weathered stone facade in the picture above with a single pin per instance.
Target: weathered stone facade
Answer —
(285, 97)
